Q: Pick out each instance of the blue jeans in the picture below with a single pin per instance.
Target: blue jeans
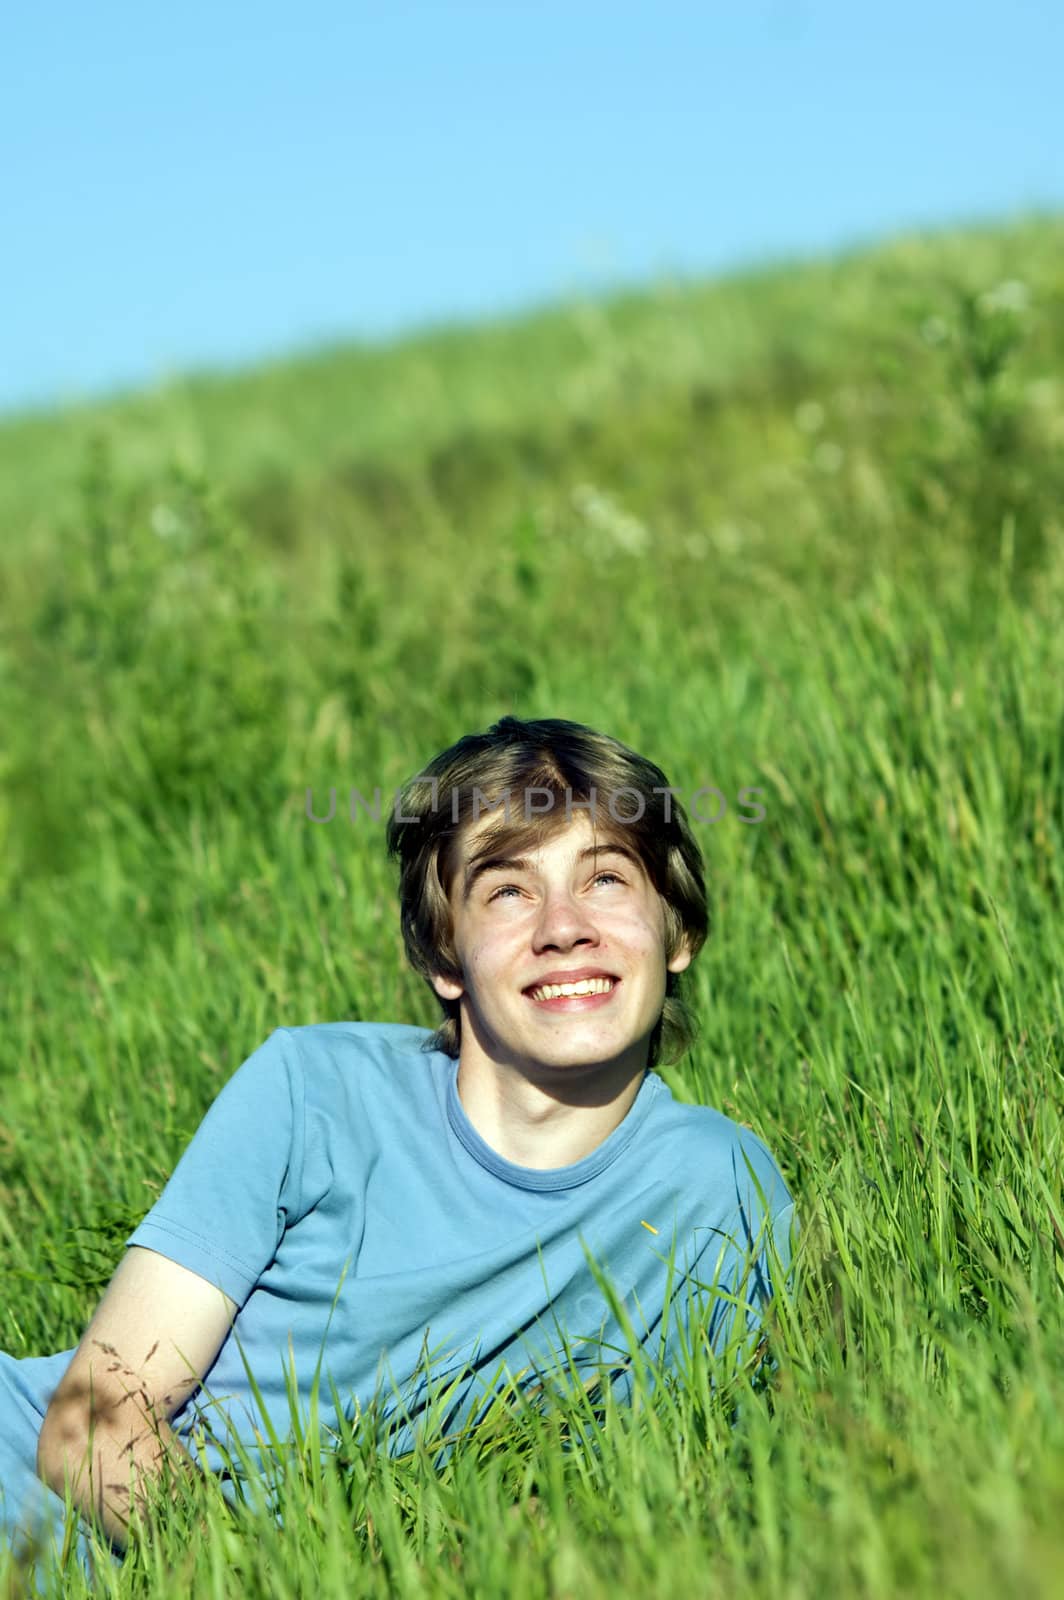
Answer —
(26, 1504)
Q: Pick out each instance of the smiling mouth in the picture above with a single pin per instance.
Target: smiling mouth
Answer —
(570, 995)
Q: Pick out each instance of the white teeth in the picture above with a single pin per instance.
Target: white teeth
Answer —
(551, 991)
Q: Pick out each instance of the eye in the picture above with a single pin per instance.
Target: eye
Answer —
(504, 887)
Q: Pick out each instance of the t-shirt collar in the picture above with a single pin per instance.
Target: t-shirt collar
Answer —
(569, 1177)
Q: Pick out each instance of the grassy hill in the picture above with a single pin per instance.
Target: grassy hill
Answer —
(801, 530)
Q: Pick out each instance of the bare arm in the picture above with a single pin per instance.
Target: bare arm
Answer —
(111, 1410)
(108, 1477)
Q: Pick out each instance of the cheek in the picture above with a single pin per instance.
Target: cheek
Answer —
(484, 962)
(640, 930)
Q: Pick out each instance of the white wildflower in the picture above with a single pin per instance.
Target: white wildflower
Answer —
(829, 456)
(934, 330)
(1011, 295)
(1042, 393)
(165, 521)
(728, 537)
(809, 416)
(625, 531)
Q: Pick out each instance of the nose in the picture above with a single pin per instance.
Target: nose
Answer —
(563, 921)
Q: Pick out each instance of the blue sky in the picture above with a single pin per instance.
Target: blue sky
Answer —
(200, 185)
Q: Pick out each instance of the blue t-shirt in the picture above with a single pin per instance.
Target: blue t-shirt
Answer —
(337, 1191)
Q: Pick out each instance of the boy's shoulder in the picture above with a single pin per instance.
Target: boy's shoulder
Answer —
(701, 1135)
(359, 1047)
(382, 1072)
(355, 1040)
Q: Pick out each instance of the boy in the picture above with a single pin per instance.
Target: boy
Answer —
(376, 1198)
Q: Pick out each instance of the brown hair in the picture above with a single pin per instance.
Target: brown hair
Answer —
(557, 759)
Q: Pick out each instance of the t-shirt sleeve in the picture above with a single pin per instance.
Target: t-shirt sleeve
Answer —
(237, 1186)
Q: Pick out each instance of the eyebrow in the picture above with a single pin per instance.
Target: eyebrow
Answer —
(477, 869)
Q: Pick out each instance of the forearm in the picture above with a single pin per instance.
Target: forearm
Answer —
(101, 1481)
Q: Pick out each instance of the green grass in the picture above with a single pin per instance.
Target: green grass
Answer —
(800, 530)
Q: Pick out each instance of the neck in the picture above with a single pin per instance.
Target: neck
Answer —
(546, 1117)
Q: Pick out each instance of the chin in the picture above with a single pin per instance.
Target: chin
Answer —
(583, 1051)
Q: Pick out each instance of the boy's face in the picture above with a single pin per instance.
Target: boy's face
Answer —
(515, 927)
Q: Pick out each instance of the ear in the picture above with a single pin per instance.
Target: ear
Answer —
(681, 959)
(447, 988)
